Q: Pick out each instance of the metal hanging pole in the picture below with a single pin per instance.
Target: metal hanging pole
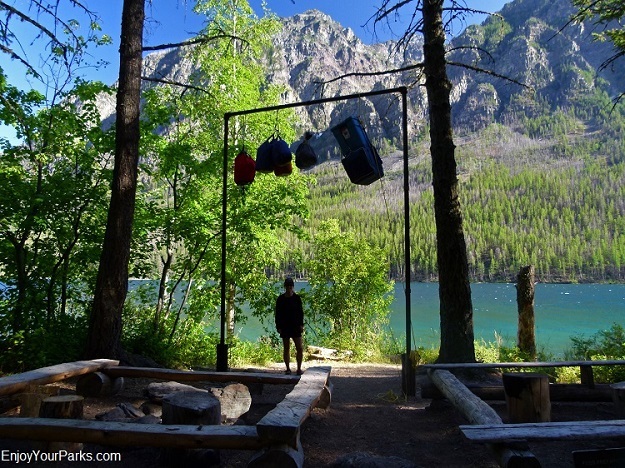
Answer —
(408, 382)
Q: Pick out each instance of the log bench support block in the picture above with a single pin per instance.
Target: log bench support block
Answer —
(62, 407)
(282, 455)
(98, 384)
(527, 397)
(193, 408)
(618, 397)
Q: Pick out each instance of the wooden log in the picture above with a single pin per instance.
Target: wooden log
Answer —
(586, 376)
(569, 430)
(527, 397)
(326, 396)
(281, 425)
(518, 365)
(618, 397)
(201, 376)
(471, 407)
(20, 382)
(191, 408)
(478, 412)
(98, 384)
(156, 391)
(62, 407)
(234, 399)
(526, 336)
(557, 392)
(282, 455)
(30, 401)
(131, 435)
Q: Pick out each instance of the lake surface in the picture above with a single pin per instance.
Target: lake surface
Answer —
(562, 311)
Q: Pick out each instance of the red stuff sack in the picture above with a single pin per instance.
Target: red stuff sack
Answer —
(244, 169)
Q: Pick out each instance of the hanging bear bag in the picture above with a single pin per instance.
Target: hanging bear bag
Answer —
(281, 152)
(282, 158)
(244, 169)
(264, 156)
(305, 156)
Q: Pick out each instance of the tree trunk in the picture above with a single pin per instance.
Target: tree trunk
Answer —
(525, 304)
(456, 309)
(105, 325)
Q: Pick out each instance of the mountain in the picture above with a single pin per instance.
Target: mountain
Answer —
(549, 65)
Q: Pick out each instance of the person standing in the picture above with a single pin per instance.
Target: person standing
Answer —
(290, 324)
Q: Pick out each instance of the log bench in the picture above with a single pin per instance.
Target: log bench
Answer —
(490, 433)
(276, 436)
(586, 372)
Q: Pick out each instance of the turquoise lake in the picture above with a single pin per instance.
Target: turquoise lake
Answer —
(562, 310)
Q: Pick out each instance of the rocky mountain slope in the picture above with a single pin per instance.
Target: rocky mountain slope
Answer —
(550, 65)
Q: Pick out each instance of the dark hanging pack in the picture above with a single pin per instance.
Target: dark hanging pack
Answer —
(281, 152)
(244, 169)
(360, 159)
(264, 156)
(305, 156)
(283, 170)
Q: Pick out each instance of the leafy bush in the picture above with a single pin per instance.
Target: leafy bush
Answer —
(189, 346)
(603, 345)
(261, 352)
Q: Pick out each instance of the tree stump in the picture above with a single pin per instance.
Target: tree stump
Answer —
(97, 384)
(234, 399)
(527, 397)
(525, 303)
(194, 408)
(30, 401)
(62, 407)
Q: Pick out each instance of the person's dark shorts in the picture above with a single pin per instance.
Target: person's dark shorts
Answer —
(291, 333)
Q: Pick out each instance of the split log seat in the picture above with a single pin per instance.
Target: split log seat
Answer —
(586, 372)
(490, 433)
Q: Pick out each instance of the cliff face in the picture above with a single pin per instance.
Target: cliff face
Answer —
(549, 65)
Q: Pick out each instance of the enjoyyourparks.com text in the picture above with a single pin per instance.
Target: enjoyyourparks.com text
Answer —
(40, 456)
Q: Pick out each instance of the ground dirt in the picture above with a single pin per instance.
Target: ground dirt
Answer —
(368, 414)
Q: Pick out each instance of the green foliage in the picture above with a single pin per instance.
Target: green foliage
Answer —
(189, 346)
(260, 352)
(604, 345)
(349, 297)
(53, 187)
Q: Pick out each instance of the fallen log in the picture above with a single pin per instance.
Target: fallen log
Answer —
(98, 384)
(477, 411)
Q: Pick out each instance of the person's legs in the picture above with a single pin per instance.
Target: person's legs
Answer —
(286, 353)
(299, 353)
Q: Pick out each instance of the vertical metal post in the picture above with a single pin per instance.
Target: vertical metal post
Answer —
(408, 370)
(222, 347)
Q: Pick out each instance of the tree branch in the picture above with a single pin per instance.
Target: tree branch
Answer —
(197, 40)
(490, 73)
(174, 83)
(377, 73)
